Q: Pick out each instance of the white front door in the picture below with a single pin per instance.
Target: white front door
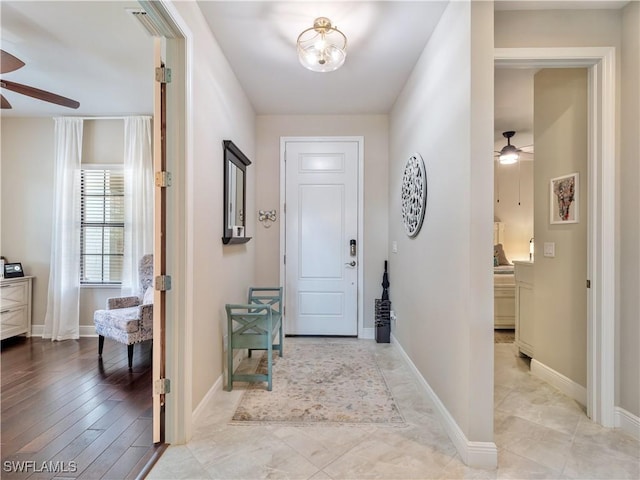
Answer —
(321, 268)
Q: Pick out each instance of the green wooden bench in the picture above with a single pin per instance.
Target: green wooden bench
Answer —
(254, 326)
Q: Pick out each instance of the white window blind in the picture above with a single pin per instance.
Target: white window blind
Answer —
(102, 226)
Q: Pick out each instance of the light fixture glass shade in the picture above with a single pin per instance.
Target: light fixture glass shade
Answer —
(322, 48)
(509, 155)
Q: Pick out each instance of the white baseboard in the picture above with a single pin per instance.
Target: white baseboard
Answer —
(367, 333)
(627, 422)
(88, 331)
(217, 386)
(558, 380)
(37, 330)
(85, 331)
(199, 410)
(474, 454)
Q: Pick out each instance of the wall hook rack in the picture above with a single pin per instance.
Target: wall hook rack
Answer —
(267, 217)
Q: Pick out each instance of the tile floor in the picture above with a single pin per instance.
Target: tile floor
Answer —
(540, 433)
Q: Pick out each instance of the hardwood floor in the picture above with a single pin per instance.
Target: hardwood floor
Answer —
(65, 413)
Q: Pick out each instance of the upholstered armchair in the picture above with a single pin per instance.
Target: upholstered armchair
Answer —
(129, 320)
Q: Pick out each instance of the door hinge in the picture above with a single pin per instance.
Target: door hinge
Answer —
(161, 386)
(163, 283)
(588, 283)
(163, 75)
(163, 179)
(285, 259)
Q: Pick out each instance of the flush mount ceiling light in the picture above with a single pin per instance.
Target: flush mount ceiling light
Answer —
(322, 48)
(509, 153)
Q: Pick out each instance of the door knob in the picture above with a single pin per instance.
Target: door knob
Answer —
(351, 263)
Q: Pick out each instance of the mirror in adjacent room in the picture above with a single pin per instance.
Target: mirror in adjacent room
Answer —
(235, 186)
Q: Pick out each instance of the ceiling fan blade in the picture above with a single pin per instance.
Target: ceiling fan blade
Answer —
(526, 148)
(4, 103)
(39, 94)
(9, 63)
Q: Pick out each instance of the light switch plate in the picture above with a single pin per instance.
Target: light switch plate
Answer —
(549, 249)
(394, 247)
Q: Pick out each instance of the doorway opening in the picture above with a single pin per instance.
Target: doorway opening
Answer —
(172, 412)
(600, 63)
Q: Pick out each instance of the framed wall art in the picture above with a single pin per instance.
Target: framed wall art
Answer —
(564, 196)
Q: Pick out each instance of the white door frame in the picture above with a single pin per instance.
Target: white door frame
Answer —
(601, 311)
(283, 215)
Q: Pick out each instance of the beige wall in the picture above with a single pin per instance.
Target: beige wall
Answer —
(441, 283)
(375, 130)
(557, 28)
(514, 185)
(619, 29)
(221, 273)
(103, 141)
(27, 199)
(628, 395)
(560, 299)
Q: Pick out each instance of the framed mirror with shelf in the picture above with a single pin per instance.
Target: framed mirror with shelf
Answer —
(235, 194)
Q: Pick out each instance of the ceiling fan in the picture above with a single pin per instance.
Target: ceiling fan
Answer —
(9, 63)
(510, 153)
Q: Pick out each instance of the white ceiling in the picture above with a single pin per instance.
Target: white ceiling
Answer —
(93, 52)
(384, 42)
(513, 105)
(97, 53)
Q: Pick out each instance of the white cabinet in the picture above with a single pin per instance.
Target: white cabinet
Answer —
(524, 308)
(15, 306)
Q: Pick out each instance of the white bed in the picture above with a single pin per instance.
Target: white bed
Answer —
(503, 274)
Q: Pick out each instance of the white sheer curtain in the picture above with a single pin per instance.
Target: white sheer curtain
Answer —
(138, 194)
(62, 320)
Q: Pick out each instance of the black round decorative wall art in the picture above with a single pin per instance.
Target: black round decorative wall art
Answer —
(414, 194)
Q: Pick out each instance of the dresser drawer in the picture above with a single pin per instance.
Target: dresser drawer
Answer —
(507, 291)
(15, 306)
(13, 317)
(13, 294)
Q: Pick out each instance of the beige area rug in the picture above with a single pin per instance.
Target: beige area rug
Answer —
(504, 336)
(321, 382)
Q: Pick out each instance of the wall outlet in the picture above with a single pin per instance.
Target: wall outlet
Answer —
(394, 247)
(392, 314)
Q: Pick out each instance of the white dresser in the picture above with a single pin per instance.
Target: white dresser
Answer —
(15, 306)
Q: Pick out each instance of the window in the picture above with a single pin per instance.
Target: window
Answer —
(101, 226)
